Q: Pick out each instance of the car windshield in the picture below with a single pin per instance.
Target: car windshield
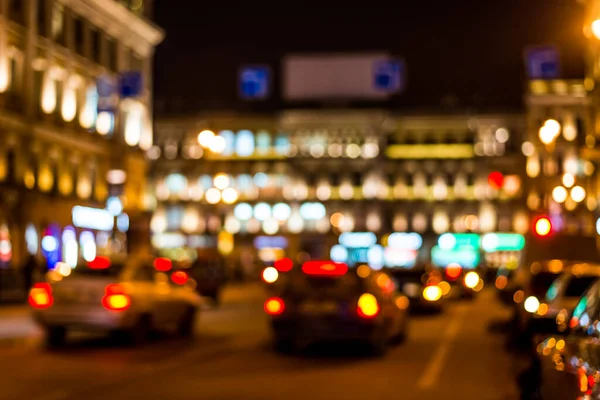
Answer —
(541, 282)
(408, 276)
(578, 285)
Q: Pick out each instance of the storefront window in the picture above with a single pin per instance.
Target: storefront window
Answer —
(263, 142)
(282, 144)
(32, 239)
(244, 145)
(70, 250)
(5, 246)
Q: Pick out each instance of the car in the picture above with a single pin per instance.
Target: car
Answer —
(464, 282)
(561, 298)
(529, 287)
(422, 286)
(570, 362)
(325, 300)
(132, 295)
(210, 273)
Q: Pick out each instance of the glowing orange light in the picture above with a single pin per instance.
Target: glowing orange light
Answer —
(274, 306)
(543, 226)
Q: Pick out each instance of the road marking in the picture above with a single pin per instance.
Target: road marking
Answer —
(434, 367)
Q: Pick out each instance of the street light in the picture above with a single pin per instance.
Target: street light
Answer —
(205, 138)
(596, 28)
(549, 131)
(217, 145)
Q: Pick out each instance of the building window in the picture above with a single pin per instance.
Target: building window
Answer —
(58, 23)
(42, 21)
(79, 36)
(113, 57)
(96, 45)
(17, 11)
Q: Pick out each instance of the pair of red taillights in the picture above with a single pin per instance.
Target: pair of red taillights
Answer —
(366, 307)
(317, 268)
(115, 298)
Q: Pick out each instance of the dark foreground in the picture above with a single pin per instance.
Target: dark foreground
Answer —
(447, 356)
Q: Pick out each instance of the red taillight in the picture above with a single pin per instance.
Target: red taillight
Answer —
(367, 306)
(324, 268)
(180, 278)
(274, 306)
(99, 263)
(284, 265)
(453, 271)
(40, 296)
(115, 298)
(163, 264)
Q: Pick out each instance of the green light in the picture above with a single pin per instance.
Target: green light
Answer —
(492, 242)
(466, 256)
(580, 307)
(450, 241)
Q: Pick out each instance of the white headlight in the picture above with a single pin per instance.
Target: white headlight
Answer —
(532, 304)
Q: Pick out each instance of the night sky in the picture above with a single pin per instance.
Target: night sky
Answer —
(470, 51)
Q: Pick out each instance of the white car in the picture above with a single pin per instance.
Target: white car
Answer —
(132, 295)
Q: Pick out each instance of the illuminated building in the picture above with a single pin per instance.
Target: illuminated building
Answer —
(310, 175)
(57, 150)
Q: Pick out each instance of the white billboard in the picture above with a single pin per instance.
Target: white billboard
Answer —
(373, 76)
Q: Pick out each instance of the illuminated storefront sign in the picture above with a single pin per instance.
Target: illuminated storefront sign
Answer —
(401, 240)
(168, 240)
(400, 257)
(467, 257)
(270, 242)
(420, 151)
(453, 241)
(502, 242)
(358, 239)
(93, 218)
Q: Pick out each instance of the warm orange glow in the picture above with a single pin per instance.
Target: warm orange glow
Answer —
(453, 271)
(40, 296)
(501, 282)
(274, 306)
(115, 298)
(368, 307)
(542, 309)
(336, 219)
(432, 293)
(402, 302)
(519, 296)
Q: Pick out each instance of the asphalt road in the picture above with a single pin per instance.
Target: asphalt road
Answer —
(447, 356)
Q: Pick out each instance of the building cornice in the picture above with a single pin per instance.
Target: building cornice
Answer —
(116, 20)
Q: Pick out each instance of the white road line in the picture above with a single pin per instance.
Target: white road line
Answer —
(434, 367)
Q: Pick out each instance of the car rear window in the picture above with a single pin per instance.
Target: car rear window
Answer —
(578, 285)
(540, 283)
(301, 285)
(111, 272)
(408, 276)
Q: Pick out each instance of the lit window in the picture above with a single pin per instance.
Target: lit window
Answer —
(263, 142)
(229, 138)
(244, 145)
(282, 144)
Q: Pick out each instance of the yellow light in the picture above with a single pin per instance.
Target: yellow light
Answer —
(230, 196)
(367, 304)
(532, 304)
(578, 194)
(213, 196)
(430, 151)
(363, 271)
(205, 138)
(596, 28)
(118, 301)
(542, 309)
(546, 135)
(471, 280)
(432, 293)
(217, 145)
(560, 344)
(402, 302)
(221, 181)
(270, 275)
(446, 288)
(559, 194)
(543, 226)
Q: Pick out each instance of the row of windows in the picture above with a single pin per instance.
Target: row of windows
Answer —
(52, 21)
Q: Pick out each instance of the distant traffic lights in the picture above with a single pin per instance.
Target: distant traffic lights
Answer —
(543, 226)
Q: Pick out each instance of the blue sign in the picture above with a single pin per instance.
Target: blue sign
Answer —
(388, 75)
(108, 97)
(254, 82)
(542, 62)
(270, 242)
(131, 84)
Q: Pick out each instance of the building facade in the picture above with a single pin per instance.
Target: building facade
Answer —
(292, 182)
(60, 147)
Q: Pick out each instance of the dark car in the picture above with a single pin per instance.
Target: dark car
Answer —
(421, 286)
(464, 282)
(210, 274)
(325, 300)
(570, 363)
